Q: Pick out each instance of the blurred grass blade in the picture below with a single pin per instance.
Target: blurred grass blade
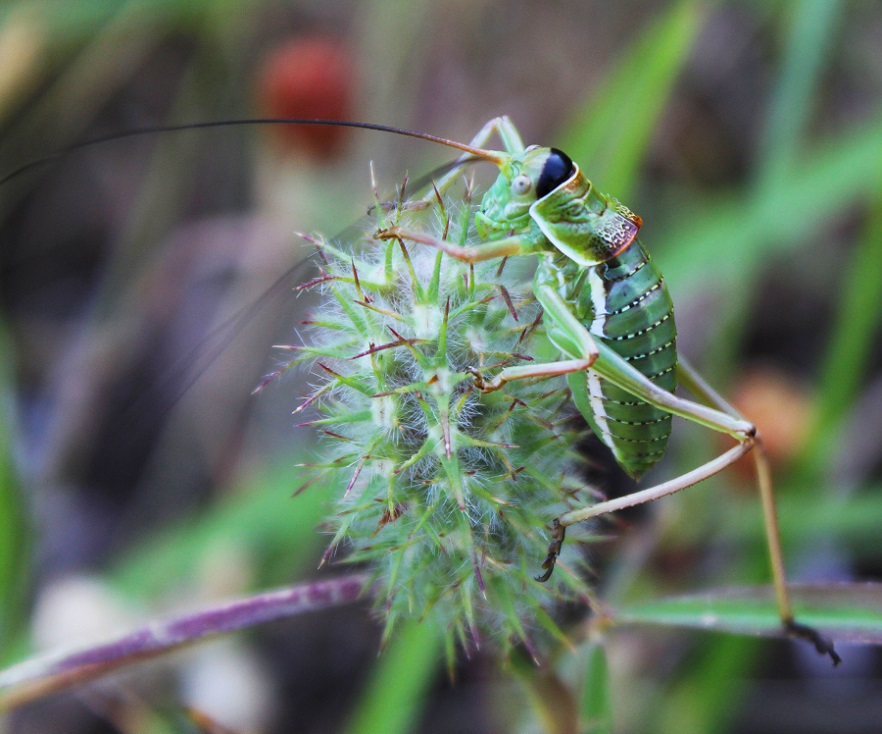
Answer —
(261, 516)
(611, 131)
(596, 703)
(848, 612)
(14, 555)
(849, 350)
(396, 692)
(728, 239)
(809, 39)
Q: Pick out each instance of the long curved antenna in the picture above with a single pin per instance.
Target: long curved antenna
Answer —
(487, 155)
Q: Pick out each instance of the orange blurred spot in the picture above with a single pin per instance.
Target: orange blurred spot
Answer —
(780, 408)
(308, 78)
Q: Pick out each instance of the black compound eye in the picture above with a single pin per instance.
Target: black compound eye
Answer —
(557, 169)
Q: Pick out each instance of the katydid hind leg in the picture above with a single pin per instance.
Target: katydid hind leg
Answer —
(749, 442)
(696, 384)
(713, 412)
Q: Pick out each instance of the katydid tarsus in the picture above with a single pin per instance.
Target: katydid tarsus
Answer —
(606, 308)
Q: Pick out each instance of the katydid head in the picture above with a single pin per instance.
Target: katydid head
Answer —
(524, 178)
(544, 197)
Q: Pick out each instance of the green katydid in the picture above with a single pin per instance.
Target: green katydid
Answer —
(608, 311)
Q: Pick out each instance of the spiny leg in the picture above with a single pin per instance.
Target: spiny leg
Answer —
(470, 253)
(511, 143)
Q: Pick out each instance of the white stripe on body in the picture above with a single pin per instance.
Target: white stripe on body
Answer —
(597, 328)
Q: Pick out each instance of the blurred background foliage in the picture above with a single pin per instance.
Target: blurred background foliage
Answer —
(747, 134)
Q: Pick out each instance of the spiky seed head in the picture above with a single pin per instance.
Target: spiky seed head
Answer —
(446, 493)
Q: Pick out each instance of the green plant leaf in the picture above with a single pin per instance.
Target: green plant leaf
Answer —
(726, 239)
(848, 612)
(397, 689)
(596, 711)
(610, 132)
(809, 38)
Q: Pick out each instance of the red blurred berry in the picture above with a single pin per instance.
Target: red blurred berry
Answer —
(308, 78)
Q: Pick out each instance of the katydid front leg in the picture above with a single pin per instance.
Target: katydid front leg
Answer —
(511, 143)
(470, 253)
(553, 304)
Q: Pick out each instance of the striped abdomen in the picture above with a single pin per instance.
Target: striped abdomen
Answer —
(625, 303)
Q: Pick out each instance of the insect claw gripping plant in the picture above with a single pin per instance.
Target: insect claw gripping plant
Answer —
(434, 388)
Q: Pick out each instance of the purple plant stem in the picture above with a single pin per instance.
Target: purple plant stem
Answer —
(40, 676)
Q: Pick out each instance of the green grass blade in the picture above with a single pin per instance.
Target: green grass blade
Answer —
(596, 703)
(809, 38)
(851, 345)
(14, 550)
(726, 239)
(396, 691)
(609, 134)
(849, 612)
